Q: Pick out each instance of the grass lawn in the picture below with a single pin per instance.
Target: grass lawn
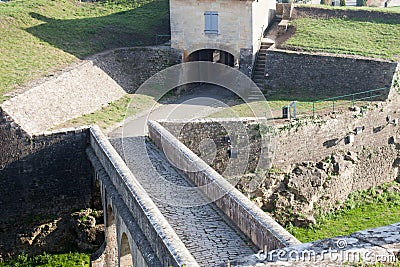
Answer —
(342, 36)
(40, 36)
(113, 113)
(364, 209)
(72, 259)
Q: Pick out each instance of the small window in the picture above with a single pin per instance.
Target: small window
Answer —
(211, 22)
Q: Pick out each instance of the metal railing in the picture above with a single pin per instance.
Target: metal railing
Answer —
(332, 104)
(351, 98)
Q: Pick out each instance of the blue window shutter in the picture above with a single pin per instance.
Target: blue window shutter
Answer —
(211, 22)
(214, 22)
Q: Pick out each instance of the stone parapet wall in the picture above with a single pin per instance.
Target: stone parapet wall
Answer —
(43, 174)
(243, 134)
(165, 243)
(254, 223)
(325, 13)
(326, 75)
(107, 255)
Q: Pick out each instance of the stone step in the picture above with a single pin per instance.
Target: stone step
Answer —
(266, 44)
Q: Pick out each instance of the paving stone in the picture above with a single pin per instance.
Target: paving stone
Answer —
(211, 238)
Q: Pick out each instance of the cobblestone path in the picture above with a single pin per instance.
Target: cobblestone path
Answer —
(211, 238)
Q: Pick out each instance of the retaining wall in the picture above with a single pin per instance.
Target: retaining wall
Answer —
(258, 226)
(378, 142)
(243, 134)
(326, 75)
(165, 243)
(131, 67)
(42, 175)
(352, 14)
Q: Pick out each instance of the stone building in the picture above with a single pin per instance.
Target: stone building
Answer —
(225, 31)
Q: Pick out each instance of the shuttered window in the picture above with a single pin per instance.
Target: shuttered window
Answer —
(211, 22)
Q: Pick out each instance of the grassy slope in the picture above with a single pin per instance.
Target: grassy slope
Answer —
(365, 38)
(364, 209)
(46, 260)
(40, 36)
(113, 113)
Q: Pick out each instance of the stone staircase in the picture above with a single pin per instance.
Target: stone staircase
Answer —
(278, 27)
(259, 65)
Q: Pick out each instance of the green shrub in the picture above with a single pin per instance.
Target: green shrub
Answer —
(342, 2)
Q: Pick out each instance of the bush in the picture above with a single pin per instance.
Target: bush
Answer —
(342, 2)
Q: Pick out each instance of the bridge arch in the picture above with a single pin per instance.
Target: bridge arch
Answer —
(125, 254)
(212, 55)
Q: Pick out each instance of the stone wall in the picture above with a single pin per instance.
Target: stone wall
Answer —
(315, 139)
(41, 177)
(352, 14)
(87, 86)
(325, 75)
(264, 232)
(211, 139)
(131, 67)
(318, 167)
(42, 174)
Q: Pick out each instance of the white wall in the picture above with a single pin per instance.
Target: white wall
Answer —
(262, 14)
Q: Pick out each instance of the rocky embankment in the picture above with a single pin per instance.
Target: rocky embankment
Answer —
(81, 230)
(298, 194)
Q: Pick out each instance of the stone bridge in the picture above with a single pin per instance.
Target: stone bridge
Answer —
(149, 222)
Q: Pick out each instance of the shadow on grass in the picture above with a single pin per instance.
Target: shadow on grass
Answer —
(83, 37)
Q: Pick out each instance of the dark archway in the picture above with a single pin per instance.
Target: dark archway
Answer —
(96, 196)
(212, 55)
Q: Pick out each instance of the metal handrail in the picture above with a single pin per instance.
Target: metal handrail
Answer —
(353, 98)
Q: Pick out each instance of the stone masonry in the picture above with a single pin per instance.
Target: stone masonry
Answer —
(325, 75)
(41, 177)
(87, 86)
